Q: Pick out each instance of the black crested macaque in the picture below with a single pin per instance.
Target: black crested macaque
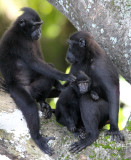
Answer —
(67, 108)
(83, 114)
(28, 77)
(94, 115)
(85, 54)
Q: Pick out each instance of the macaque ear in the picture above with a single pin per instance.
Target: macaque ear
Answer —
(82, 42)
(22, 23)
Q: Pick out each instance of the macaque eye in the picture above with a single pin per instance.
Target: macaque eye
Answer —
(82, 42)
(35, 27)
(22, 22)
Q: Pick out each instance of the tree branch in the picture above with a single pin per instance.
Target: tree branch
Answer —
(110, 24)
(15, 142)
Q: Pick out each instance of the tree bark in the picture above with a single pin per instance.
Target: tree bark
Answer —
(16, 144)
(110, 24)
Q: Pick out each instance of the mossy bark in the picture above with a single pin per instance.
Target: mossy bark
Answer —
(109, 21)
(16, 144)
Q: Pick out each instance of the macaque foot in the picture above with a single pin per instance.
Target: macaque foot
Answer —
(78, 146)
(71, 128)
(116, 135)
(42, 144)
(45, 107)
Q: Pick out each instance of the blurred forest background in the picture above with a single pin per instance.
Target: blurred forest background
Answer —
(55, 32)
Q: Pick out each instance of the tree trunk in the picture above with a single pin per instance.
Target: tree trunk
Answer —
(110, 24)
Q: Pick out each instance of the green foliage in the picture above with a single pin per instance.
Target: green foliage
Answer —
(55, 30)
(121, 117)
(128, 125)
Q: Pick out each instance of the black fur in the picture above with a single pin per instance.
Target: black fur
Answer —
(27, 76)
(67, 108)
(94, 114)
(86, 55)
(80, 112)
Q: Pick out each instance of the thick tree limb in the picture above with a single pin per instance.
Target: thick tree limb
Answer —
(15, 142)
(108, 21)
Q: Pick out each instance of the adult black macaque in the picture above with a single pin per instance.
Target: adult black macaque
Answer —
(67, 108)
(82, 111)
(85, 54)
(27, 76)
